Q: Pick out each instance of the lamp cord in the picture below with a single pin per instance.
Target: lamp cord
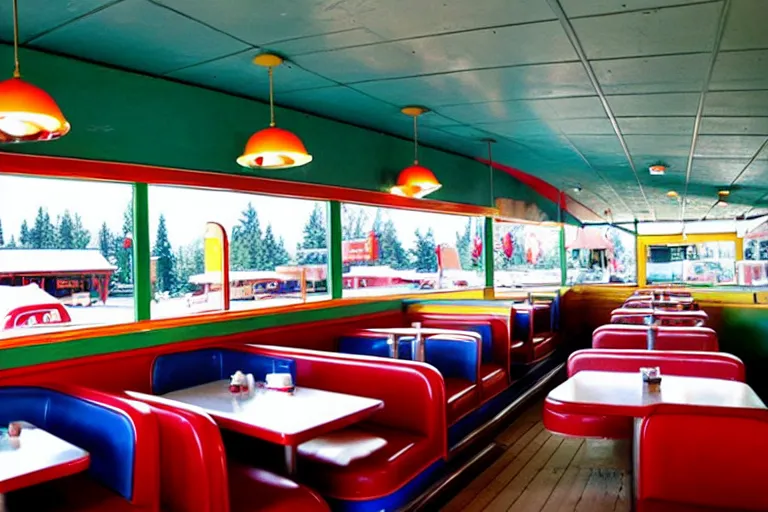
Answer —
(415, 140)
(16, 71)
(271, 99)
(490, 171)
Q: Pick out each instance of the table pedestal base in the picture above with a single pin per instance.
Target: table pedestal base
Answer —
(290, 461)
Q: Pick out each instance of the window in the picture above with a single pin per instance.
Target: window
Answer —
(65, 254)
(525, 254)
(278, 250)
(604, 254)
(706, 263)
(388, 251)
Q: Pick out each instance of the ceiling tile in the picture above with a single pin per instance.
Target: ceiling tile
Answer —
(661, 147)
(164, 40)
(678, 73)
(326, 42)
(639, 105)
(522, 44)
(574, 8)
(651, 32)
(571, 108)
(590, 126)
(523, 129)
(728, 146)
(736, 103)
(734, 126)
(238, 75)
(595, 145)
(740, 70)
(746, 26)
(522, 110)
(716, 172)
(524, 82)
(38, 16)
(656, 125)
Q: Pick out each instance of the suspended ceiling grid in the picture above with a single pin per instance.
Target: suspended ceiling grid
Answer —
(582, 93)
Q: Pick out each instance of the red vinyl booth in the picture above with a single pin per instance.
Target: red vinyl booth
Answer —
(412, 423)
(620, 336)
(119, 434)
(639, 316)
(715, 365)
(696, 459)
(196, 476)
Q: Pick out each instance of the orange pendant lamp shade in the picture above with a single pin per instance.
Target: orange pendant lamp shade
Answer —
(415, 181)
(28, 113)
(274, 148)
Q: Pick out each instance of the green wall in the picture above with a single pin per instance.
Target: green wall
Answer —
(126, 117)
(744, 333)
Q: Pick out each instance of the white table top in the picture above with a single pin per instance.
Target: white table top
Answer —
(278, 417)
(627, 392)
(37, 456)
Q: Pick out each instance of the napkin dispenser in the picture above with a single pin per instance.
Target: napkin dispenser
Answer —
(279, 381)
(651, 376)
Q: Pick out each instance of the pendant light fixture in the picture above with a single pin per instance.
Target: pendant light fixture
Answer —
(27, 113)
(273, 147)
(415, 181)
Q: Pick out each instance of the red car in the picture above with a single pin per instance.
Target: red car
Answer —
(22, 306)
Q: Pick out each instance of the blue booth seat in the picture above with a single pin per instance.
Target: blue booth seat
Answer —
(109, 429)
(456, 357)
(180, 370)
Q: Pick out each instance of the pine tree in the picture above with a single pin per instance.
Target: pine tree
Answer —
(315, 237)
(43, 234)
(11, 243)
(354, 220)
(25, 237)
(166, 277)
(246, 248)
(122, 248)
(105, 241)
(65, 231)
(81, 237)
(425, 252)
(2, 240)
(274, 250)
(391, 252)
(464, 246)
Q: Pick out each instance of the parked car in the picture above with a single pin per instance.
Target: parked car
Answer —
(23, 306)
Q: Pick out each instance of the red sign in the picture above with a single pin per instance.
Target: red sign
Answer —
(361, 250)
(67, 283)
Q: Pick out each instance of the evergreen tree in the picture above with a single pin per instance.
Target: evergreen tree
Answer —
(391, 252)
(425, 252)
(106, 241)
(122, 249)
(81, 237)
(166, 277)
(43, 234)
(354, 220)
(274, 250)
(464, 246)
(315, 237)
(11, 243)
(65, 231)
(246, 248)
(2, 240)
(25, 237)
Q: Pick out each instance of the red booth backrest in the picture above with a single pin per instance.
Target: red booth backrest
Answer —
(193, 463)
(702, 456)
(620, 336)
(413, 393)
(716, 365)
(638, 316)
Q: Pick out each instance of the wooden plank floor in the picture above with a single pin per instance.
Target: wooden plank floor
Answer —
(544, 472)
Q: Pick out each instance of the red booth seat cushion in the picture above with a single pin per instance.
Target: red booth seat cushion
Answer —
(715, 365)
(78, 492)
(366, 461)
(543, 346)
(582, 425)
(462, 398)
(703, 457)
(493, 379)
(667, 338)
(257, 490)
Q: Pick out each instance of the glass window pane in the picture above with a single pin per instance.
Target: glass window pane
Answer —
(704, 263)
(525, 254)
(601, 254)
(66, 254)
(390, 251)
(278, 250)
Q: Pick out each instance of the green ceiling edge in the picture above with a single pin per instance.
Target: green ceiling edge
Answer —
(127, 117)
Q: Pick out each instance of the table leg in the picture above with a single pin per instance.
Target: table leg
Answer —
(290, 460)
(2, 503)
